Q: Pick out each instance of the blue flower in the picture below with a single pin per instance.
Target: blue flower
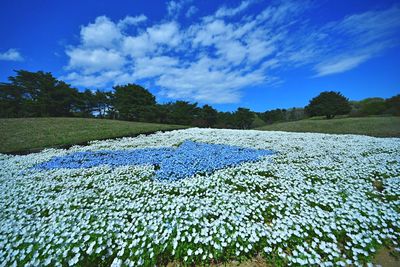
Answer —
(173, 164)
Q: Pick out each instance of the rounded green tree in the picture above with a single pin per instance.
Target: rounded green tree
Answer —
(328, 104)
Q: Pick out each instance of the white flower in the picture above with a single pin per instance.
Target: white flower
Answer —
(267, 249)
(74, 260)
(116, 262)
(189, 252)
(288, 196)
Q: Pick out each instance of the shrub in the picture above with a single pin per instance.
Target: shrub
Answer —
(393, 105)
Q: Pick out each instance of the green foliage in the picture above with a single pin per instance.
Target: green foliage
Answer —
(376, 106)
(225, 120)
(39, 94)
(180, 112)
(393, 105)
(328, 104)
(133, 102)
(243, 118)
(207, 117)
(30, 94)
(281, 115)
(257, 122)
(89, 103)
(295, 114)
(368, 106)
(275, 115)
(370, 100)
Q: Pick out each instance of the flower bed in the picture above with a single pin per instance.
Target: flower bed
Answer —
(319, 200)
(172, 164)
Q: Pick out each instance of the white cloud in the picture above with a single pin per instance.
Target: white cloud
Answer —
(356, 39)
(137, 46)
(201, 83)
(215, 58)
(129, 21)
(234, 51)
(102, 33)
(91, 80)
(11, 55)
(150, 67)
(191, 11)
(369, 26)
(167, 33)
(228, 12)
(94, 60)
(174, 7)
(340, 65)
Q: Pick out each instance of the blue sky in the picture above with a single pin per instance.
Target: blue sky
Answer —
(256, 54)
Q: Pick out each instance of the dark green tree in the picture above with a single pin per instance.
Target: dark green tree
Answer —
(102, 103)
(133, 102)
(393, 105)
(36, 94)
(295, 114)
(207, 116)
(12, 101)
(84, 104)
(274, 115)
(374, 108)
(328, 104)
(225, 120)
(161, 113)
(368, 106)
(181, 112)
(243, 118)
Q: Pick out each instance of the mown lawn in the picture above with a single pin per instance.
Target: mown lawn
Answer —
(32, 134)
(374, 126)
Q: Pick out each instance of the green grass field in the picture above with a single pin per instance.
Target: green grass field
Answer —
(33, 134)
(374, 126)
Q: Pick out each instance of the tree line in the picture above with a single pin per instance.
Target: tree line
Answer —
(39, 94)
(331, 104)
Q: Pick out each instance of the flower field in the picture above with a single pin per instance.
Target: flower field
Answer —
(202, 197)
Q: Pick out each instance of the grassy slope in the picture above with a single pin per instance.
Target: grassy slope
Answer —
(30, 134)
(374, 126)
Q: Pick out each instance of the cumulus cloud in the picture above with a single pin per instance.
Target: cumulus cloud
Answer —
(94, 60)
(214, 58)
(167, 33)
(11, 55)
(92, 80)
(102, 33)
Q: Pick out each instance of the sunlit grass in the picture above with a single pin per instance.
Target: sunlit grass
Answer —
(374, 126)
(30, 134)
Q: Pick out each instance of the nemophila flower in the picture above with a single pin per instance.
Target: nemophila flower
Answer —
(135, 201)
(174, 163)
(189, 252)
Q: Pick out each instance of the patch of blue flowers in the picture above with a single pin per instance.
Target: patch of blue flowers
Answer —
(191, 158)
(113, 158)
(172, 164)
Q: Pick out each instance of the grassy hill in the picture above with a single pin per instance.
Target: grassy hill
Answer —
(32, 134)
(374, 126)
